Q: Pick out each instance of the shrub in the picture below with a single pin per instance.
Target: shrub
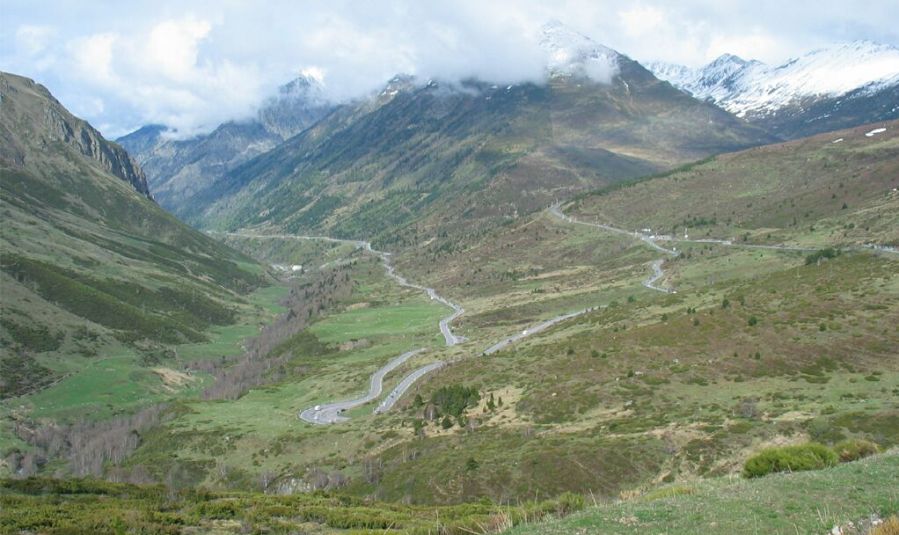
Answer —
(568, 503)
(828, 253)
(33, 337)
(811, 456)
(855, 449)
(890, 526)
(668, 492)
(454, 399)
(753, 321)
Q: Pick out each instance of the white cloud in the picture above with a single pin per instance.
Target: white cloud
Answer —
(160, 72)
(754, 45)
(172, 47)
(33, 39)
(192, 64)
(313, 72)
(92, 58)
(600, 70)
(641, 20)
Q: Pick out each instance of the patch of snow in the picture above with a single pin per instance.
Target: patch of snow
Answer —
(753, 88)
(570, 53)
(876, 131)
(837, 140)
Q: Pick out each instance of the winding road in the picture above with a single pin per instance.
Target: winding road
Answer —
(330, 413)
(444, 324)
(648, 239)
(542, 326)
(657, 274)
(404, 385)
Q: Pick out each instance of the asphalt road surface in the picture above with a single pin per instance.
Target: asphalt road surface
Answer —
(330, 413)
(404, 385)
(444, 324)
(648, 239)
(542, 326)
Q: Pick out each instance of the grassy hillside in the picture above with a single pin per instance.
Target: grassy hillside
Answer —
(757, 347)
(816, 191)
(811, 502)
(101, 289)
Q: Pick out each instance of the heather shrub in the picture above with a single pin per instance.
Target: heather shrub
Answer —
(811, 456)
(855, 449)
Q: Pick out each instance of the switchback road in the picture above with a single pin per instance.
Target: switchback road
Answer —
(330, 413)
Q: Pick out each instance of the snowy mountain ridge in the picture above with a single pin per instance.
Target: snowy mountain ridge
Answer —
(752, 88)
(571, 53)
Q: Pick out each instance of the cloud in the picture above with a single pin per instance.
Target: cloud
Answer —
(193, 64)
(92, 58)
(160, 72)
(757, 44)
(641, 20)
(33, 39)
(600, 70)
(172, 47)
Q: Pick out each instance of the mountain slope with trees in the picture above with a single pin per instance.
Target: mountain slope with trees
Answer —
(433, 154)
(89, 262)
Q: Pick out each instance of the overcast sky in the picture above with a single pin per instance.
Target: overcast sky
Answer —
(195, 64)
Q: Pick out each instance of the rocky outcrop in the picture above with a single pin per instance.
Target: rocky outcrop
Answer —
(84, 138)
(34, 121)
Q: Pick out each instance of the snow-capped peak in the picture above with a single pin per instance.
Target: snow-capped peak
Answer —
(572, 53)
(751, 87)
(303, 87)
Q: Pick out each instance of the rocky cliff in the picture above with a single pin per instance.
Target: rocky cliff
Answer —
(41, 122)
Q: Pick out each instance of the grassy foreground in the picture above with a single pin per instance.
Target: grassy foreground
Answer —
(808, 502)
(90, 506)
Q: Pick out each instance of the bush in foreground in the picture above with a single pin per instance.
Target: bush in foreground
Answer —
(811, 456)
(890, 526)
(855, 449)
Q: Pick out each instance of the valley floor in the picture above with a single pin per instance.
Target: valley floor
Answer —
(775, 335)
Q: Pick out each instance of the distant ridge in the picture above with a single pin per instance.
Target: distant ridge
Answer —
(834, 87)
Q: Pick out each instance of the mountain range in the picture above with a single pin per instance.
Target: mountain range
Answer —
(177, 168)
(599, 127)
(432, 151)
(834, 87)
(616, 281)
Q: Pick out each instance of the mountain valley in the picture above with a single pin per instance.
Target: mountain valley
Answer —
(578, 304)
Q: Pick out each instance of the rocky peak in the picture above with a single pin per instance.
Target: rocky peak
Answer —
(571, 53)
